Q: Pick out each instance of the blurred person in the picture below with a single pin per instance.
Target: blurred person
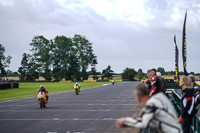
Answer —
(148, 83)
(43, 89)
(158, 113)
(163, 81)
(154, 71)
(196, 88)
(194, 84)
(156, 83)
(187, 103)
(113, 81)
(143, 80)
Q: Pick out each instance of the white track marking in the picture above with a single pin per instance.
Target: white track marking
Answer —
(67, 110)
(58, 119)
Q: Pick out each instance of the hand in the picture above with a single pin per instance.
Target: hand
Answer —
(120, 122)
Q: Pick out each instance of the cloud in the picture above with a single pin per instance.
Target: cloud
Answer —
(137, 34)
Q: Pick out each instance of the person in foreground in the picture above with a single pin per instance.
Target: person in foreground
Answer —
(187, 103)
(158, 113)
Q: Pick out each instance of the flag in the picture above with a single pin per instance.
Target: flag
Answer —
(176, 61)
(184, 46)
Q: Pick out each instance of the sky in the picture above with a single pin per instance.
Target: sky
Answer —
(124, 33)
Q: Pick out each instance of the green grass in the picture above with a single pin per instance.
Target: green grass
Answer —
(30, 89)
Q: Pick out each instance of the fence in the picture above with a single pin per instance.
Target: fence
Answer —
(176, 101)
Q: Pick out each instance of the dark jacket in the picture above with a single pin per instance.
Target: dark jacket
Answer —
(187, 103)
(196, 88)
(157, 85)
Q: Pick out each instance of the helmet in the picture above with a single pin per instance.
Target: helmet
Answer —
(76, 82)
(41, 86)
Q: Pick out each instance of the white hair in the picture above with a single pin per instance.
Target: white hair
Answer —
(158, 74)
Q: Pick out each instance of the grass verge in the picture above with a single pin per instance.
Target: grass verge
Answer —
(30, 89)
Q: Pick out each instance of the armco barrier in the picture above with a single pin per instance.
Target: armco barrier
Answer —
(102, 80)
(9, 85)
(176, 101)
(77, 80)
(125, 80)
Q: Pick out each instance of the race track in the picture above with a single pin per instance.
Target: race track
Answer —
(93, 111)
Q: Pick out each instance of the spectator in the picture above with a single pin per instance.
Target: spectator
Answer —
(156, 83)
(154, 71)
(163, 81)
(148, 83)
(194, 84)
(187, 103)
(196, 88)
(158, 113)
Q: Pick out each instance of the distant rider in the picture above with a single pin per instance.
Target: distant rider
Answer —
(43, 89)
(75, 86)
(113, 81)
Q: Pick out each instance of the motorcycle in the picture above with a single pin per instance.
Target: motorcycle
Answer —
(76, 89)
(42, 100)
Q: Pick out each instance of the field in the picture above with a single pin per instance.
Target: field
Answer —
(30, 89)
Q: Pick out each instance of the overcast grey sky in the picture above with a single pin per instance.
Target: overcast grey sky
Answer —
(124, 33)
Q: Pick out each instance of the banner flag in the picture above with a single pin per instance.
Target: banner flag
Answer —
(184, 46)
(176, 61)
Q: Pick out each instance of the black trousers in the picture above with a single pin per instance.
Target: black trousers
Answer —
(187, 121)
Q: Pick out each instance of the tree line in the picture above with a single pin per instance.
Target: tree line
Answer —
(64, 57)
(58, 58)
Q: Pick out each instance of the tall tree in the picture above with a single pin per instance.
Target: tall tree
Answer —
(161, 70)
(107, 73)
(140, 74)
(4, 61)
(42, 54)
(129, 73)
(93, 69)
(28, 69)
(84, 52)
(63, 58)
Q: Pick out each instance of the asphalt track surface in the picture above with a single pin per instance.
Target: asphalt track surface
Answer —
(93, 111)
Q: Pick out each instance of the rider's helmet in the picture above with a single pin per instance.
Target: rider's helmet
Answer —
(76, 83)
(41, 86)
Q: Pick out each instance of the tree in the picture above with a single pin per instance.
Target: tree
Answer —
(63, 57)
(4, 61)
(140, 75)
(161, 70)
(94, 70)
(129, 73)
(84, 52)
(28, 69)
(42, 55)
(107, 73)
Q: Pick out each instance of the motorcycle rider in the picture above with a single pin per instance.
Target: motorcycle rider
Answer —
(113, 81)
(43, 89)
(75, 86)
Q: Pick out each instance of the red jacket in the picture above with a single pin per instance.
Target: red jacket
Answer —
(157, 85)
